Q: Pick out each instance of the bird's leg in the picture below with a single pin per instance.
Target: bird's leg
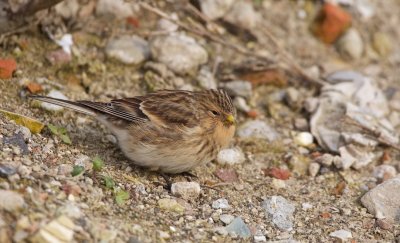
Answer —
(189, 175)
(168, 181)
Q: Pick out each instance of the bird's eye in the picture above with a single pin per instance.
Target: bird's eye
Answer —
(215, 113)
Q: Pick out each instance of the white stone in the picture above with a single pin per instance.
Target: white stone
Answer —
(342, 235)
(351, 45)
(221, 203)
(128, 49)
(215, 9)
(243, 14)
(241, 104)
(186, 190)
(306, 206)
(54, 94)
(230, 156)
(58, 230)
(260, 238)
(304, 139)
(313, 169)
(116, 8)
(278, 184)
(181, 53)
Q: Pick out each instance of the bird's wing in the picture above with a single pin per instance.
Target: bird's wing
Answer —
(167, 108)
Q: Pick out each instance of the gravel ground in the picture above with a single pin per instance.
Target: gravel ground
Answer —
(268, 192)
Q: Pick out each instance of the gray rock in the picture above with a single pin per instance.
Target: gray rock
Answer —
(383, 201)
(226, 218)
(280, 211)
(238, 88)
(257, 129)
(186, 190)
(11, 201)
(221, 203)
(181, 53)
(19, 142)
(215, 9)
(71, 210)
(128, 49)
(7, 170)
(238, 227)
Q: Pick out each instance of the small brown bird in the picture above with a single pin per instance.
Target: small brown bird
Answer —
(171, 131)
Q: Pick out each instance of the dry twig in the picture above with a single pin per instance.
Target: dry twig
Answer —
(203, 33)
(373, 132)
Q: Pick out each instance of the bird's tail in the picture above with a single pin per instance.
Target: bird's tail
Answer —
(74, 105)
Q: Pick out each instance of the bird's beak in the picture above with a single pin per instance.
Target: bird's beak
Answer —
(230, 119)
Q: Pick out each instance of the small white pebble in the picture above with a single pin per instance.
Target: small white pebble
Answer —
(306, 206)
(304, 139)
(230, 156)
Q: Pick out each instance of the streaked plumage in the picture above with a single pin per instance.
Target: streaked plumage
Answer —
(171, 131)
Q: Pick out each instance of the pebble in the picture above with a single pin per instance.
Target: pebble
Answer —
(128, 49)
(280, 211)
(67, 9)
(292, 97)
(24, 171)
(306, 206)
(384, 224)
(241, 104)
(206, 79)
(58, 230)
(19, 143)
(342, 235)
(185, 190)
(116, 8)
(382, 44)
(54, 94)
(257, 129)
(170, 205)
(11, 201)
(64, 169)
(7, 170)
(242, 13)
(230, 156)
(384, 172)
(238, 88)
(260, 238)
(238, 227)
(70, 210)
(58, 57)
(226, 218)
(221, 203)
(325, 160)
(383, 201)
(167, 25)
(304, 139)
(313, 169)
(278, 184)
(26, 133)
(351, 45)
(180, 53)
(215, 9)
(301, 124)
